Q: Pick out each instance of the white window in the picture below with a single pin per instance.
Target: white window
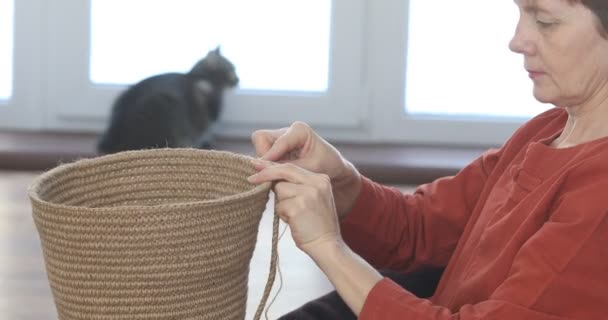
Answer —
(476, 68)
(21, 75)
(297, 60)
(388, 70)
(452, 79)
(6, 49)
(268, 58)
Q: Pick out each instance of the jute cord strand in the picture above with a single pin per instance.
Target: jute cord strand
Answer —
(151, 234)
(273, 267)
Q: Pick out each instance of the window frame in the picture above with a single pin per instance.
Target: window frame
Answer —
(23, 109)
(244, 108)
(366, 87)
(389, 123)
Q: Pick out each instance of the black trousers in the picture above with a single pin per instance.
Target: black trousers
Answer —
(331, 306)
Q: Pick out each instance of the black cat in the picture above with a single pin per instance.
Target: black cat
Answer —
(171, 109)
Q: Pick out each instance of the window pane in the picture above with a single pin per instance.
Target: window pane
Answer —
(459, 63)
(274, 44)
(6, 49)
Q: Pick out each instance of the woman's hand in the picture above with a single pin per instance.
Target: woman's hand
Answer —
(298, 144)
(304, 201)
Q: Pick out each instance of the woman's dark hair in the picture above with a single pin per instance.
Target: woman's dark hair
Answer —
(600, 9)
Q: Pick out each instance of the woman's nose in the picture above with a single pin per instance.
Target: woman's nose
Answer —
(521, 41)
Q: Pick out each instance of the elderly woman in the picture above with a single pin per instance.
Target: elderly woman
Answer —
(522, 231)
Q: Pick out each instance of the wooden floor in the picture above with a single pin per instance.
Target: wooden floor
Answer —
(24, 290)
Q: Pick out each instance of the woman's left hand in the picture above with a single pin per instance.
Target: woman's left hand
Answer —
(304, 201)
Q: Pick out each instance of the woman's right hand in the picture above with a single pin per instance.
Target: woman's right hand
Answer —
(300, 145)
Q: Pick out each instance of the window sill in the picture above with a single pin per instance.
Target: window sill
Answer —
(393, 164)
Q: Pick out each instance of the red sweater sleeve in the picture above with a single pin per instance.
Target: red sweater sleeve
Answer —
(559, 273)
(419, 229)
(389, 301)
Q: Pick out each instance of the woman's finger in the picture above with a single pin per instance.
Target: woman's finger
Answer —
(281, 209)
(289, 207)
(286, 190)
(277, 172)
(264, 139)
(288, 144)
(260, 164)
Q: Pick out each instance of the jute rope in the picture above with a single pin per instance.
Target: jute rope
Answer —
(273, 268)
(155, 234)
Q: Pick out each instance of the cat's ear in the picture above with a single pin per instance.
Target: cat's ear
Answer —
(214, 53)
(212, 59)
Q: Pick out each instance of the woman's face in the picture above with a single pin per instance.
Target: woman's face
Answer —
(564, 53)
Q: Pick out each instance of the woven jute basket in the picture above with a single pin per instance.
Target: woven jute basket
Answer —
(153, 234)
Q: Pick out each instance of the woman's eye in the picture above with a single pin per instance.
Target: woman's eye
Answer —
(545, 23)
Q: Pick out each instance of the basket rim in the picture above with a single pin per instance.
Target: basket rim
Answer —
(38, 181)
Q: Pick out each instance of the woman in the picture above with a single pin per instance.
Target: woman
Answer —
(522, 230)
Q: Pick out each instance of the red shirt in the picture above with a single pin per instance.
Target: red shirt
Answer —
(523, 231)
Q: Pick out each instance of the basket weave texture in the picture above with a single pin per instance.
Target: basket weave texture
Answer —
(151, 234)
